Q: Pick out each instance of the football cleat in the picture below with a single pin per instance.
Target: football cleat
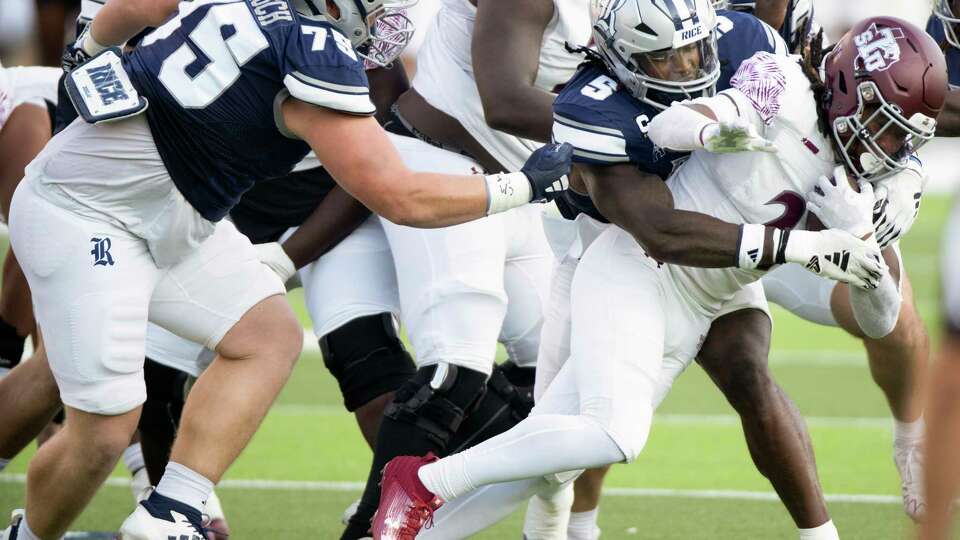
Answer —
(908, 455)
(161, 517)
(216, 523)
(406, 505)
(10, 533)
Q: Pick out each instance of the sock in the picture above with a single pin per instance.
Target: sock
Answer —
(548, 513)
(3, 464)
(24, 532)
(477, 511)
(827, 531)
(538, 446)
(908, 431)
(184, 485)
(583, 525)
(133, 458)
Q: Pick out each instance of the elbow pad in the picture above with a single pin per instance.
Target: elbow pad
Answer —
(679, 128)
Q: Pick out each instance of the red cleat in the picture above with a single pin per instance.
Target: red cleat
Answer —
(406, 505)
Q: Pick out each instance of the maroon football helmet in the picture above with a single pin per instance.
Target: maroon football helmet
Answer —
(886, 81)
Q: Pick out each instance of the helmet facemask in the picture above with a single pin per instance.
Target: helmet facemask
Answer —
(874, 118)
(949, 18)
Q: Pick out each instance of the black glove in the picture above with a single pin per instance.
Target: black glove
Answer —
(547, 169)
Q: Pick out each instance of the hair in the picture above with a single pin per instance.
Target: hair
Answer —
(811, 60)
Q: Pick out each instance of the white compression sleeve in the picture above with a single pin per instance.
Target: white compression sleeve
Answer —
(480, 509)
(679, 128)
(877, 310)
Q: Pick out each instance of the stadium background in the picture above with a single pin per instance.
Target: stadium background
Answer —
(695, 479)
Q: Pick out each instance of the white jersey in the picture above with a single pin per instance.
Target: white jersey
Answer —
(772, 93)
(446, 80)
(19, 85)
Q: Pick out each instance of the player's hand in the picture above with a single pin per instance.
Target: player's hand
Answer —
(731, 137)
(837, 255)
(82, 49)
(547, 169)
(273, 255)
(838, 206)
(896, 206)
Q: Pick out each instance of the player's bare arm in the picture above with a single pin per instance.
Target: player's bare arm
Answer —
(948, 124)
(772, 12)
(120, 20)
(378, 177)
(506, 57)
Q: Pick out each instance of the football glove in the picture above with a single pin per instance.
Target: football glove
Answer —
(837, 255)
(840, 207)
(81, 50)
(736, 136)
(273, 255)
(896, 206)
(547, 170)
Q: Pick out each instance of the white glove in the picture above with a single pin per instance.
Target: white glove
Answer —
(840, 207)
(273, 255)
(897, 205)
(735, 136)
(837, 255)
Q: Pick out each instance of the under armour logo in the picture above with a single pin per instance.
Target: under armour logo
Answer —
(101, 251)
(814, 264)
(840, 259)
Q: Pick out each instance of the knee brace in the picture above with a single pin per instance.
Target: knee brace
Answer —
(438, 399)
(367, 358)
(165, 398)
(508, 400)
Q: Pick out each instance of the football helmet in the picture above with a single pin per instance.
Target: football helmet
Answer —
(378, 29)
(720, 4)
(886, 81)
(660, 50)
(950, 17)
(797, 24)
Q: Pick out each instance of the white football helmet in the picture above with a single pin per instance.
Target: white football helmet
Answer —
(949, 17)
(378, 29)
(638, 39)
(720, 4)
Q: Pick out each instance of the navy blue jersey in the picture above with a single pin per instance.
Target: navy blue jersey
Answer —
(606, 125)
(952, 54)
(271, 207)
(788, 31)
(215, 75)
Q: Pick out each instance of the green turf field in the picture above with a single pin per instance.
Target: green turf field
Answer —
(693, 481)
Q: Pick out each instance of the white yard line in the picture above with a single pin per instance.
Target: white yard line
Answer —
(332, 486)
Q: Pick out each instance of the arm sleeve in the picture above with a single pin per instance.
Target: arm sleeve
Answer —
(877, 310)
(321, 67)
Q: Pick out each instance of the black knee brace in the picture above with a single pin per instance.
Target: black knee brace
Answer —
(438, 399)
(367, 358)
(11, 345)
(165, 398)
(507, 401)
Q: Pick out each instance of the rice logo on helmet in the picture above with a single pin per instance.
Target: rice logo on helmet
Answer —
(878, 47)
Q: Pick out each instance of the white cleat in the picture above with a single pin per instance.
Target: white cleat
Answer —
(10, 533)
(908, 455)
(161, 518)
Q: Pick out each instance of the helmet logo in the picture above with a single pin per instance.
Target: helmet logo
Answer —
(878, 47)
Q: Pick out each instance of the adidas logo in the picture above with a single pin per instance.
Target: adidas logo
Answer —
(841, 259)
(814, 264)
(558, 185)
(753, 254)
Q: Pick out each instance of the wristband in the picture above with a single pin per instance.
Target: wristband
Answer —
(506, 191)
(90, 45)
(780, 239)
(750, 246)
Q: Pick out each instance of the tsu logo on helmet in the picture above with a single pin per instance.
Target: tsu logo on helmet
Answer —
(878, 47)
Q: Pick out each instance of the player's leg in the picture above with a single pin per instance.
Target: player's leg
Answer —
(93, 312)
(735, 356)
(29, 398)
(160, 415)
(585, 511)
(452, 305)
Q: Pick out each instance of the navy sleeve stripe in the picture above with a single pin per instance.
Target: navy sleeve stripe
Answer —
(597, 157)
(332, 87)
(608, 145)
(587, 127)
(350, 103)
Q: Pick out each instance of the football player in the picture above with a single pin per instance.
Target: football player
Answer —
(944, 26)
(792, 18)
(149, 242)
(942, 475)
(481, 99)
(628, 287)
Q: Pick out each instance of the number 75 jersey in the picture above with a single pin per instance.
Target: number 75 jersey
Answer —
(215, 75)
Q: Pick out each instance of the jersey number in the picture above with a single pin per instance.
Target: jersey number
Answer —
(600, 88)
(794, 207)
(229, 37)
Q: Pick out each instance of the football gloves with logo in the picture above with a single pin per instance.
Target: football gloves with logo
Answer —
(735, 136)
(835, 254)
(896, 205)
(839, 206)
(81, 50)
(547, 170)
